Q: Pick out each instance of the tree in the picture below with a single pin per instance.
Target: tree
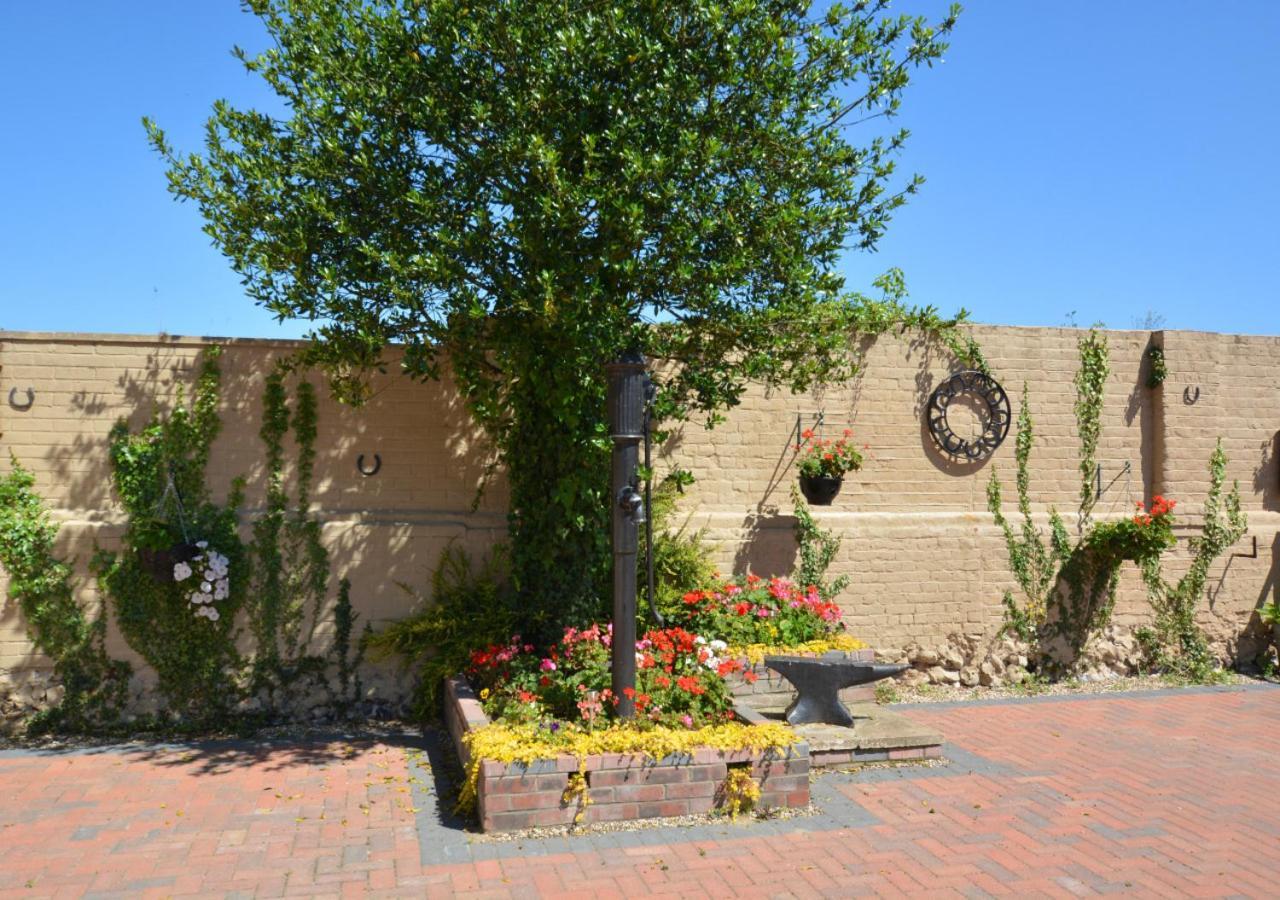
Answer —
(518, 190)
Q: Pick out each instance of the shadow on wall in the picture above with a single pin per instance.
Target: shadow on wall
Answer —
(1256, 637)
(1266, 477)
(380, 530)
(768, 545)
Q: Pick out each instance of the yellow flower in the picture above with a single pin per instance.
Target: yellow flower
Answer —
(484, 693)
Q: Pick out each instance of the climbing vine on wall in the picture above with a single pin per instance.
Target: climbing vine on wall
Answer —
(93, 685)
(1175, 643)
(1069, 584)
(290, 564)
(159, 477)
(1033, 561)
(1090, 382)
(816, 551)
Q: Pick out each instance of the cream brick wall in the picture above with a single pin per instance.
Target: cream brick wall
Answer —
(380, 530)
(919, 544)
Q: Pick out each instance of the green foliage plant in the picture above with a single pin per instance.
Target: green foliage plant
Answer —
(1158, 369)
(290, 564)
(1068, 583)
(346, 655)
(469, 606)
(816, 550)
(94, 685)
(159, 477)
(681, 557)
(1033, 561)
(518, 191)
(819, 457)
(1175, 643)
(1091, 382)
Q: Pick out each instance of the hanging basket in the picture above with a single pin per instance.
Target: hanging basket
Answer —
(820, 490)
(160, 563)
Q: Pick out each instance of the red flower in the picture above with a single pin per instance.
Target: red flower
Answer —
(662, 681)
(742, 609)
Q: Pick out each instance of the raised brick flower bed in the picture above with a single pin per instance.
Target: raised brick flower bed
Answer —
(517, 795)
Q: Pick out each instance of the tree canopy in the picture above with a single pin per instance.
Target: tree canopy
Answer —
(518, 190)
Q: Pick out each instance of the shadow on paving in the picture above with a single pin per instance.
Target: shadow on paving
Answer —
(217, 756)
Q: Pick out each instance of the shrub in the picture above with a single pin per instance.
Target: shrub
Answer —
(681, 558)
(467, 608)
(93, 684)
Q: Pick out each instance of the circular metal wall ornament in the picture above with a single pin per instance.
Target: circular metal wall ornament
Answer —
(990, 397)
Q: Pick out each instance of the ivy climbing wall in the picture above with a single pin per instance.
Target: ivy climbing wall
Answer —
(924, 556)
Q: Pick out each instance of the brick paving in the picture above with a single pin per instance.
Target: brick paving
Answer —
(1158, 794)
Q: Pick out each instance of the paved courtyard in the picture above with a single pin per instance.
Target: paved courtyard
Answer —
(1172, 793)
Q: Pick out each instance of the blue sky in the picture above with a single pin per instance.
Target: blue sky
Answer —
(1086, 161)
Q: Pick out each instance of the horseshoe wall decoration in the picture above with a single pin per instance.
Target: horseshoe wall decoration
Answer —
(1190, 396)
(990, 395)
(373, 470)
(13, 399)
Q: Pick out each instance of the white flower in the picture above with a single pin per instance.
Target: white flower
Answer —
(202, 544)
(712, 663)
(699, 640)
(197, 597)
(220, 591)
(718, 646)
(206, 587)
(213, 614)
(181, 572)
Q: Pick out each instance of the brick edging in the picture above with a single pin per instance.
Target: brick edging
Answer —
(512, 796)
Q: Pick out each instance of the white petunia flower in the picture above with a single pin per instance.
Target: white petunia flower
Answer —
(699, 640)
(718, 646)
(206, 587)
(213, 614)
(181, 572)
(202, 544)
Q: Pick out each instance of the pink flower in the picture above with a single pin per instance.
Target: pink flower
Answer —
(687, 720)
(548, 665)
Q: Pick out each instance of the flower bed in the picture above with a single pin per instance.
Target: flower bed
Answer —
(515, 780)
(537, 730)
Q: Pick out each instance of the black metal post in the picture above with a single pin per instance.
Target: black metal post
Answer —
(626, 428)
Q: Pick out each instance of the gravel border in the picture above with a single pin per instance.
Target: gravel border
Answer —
(938, 693)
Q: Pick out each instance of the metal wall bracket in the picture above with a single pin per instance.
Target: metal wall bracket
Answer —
(1254, 554)
(1098, 489)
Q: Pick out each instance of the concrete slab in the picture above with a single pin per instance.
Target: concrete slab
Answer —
(874, 729)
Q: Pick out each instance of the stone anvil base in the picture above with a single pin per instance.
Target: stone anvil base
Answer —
(881, 735)
(818, 682)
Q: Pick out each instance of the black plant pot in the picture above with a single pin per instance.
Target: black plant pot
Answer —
(820, 490)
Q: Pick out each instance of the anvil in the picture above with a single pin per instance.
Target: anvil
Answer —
(818, 682)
